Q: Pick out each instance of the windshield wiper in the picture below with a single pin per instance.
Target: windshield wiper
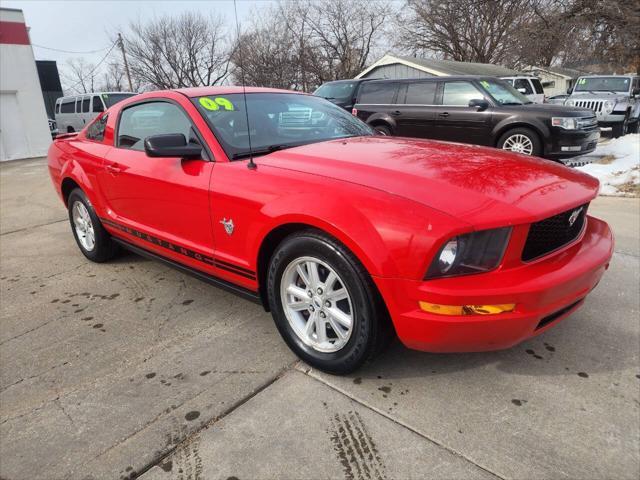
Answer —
(262, 151)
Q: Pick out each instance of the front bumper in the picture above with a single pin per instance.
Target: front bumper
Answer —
(569, 143)
(544, 291)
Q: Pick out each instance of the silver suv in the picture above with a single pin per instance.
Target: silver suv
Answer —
(615, 99)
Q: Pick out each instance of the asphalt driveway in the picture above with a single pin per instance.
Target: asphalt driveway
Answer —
(130, 368)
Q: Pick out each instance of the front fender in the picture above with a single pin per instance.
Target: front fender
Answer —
(392, 236)
(516, 121)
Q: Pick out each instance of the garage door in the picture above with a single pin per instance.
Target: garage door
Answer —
(13, 141)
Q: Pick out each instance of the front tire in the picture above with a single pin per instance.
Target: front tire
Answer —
(620, 129)
(521, 140)
(324, 303)
(93, 240)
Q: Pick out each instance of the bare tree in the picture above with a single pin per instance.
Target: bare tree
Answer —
(301, 44)
(173, 52)
(464, 30)
(79, 76)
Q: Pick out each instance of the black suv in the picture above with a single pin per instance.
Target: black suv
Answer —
(341, 92)
(478, 110)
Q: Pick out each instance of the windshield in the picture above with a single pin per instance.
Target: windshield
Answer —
(503, 93)
(276, 121)
(603, 84)
(110, 99)
(336, 90)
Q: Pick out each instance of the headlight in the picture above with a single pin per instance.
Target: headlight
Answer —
(474, 252)
(608, 106)
(568, 123)
(569, 103)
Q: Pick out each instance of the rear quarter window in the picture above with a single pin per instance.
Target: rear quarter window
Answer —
(378, 93)
(68, 106)
(95, 131)
(421, 93)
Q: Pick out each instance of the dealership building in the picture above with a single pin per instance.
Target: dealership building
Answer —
(24, 129)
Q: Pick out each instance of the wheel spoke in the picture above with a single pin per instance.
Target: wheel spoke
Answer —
(311, 324)
(321, 329)
(298, 306)
(337, 295)
(296, 292)
(312, 268)
(303, 275)
(336, 328)
(341, 317)
(329, 282)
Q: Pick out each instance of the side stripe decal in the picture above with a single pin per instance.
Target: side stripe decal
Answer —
(236, 269)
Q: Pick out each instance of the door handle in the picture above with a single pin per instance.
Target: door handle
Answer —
(113, 168)
(443, 114)
(395, 113)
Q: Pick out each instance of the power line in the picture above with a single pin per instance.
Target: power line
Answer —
(68, 51)
(94, 68)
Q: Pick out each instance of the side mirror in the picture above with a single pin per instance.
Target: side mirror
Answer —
(635, 92)
(171, 145)
(479, 103)
(569, 91)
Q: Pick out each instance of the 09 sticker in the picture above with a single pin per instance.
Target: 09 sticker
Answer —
(213, 104)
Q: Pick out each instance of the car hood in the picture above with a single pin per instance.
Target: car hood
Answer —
(482, 186)
(612, 96)
(550, 109)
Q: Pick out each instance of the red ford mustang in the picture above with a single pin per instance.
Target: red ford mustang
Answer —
(344, 236)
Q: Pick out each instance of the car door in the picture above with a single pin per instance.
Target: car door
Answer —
(417, 109)
(162, 201)
(456, 121)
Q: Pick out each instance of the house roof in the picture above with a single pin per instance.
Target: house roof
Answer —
(443, 67)
(564, 72)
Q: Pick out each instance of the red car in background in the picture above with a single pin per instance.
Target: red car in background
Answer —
(344, 236)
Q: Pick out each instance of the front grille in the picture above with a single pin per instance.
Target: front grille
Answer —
(554, 232)
(595, 105)
(587, 123)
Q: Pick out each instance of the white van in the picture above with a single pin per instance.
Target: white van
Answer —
(73, 113)
(528, 86)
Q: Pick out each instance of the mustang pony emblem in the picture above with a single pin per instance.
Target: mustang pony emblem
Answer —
(228, 225)
(574, 216)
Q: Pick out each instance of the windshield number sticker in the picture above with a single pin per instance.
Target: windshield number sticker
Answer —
(214, 104)
(484, 83)
(582, 81)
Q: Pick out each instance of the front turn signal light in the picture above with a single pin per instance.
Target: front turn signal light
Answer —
(467, 309)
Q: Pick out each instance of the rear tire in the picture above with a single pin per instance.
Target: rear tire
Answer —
(521, 140)
(382, 130)
(325, 304)
(94, 241)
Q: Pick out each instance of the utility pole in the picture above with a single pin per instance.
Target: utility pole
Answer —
(124, 58)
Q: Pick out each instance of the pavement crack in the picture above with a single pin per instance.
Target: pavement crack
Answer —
(58, 403)
(17, 230)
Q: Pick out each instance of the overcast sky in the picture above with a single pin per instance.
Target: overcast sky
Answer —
(81, 26)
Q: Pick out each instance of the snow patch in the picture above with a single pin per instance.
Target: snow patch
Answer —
(616, 163)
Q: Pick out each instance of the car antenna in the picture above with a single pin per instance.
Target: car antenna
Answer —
(251, 165)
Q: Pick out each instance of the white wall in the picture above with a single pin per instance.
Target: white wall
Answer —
(24, 130)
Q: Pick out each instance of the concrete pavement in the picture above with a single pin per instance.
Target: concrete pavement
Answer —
(113, 370)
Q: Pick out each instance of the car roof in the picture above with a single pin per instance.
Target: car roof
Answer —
(230, 89)
(437, 79)
(627, 75)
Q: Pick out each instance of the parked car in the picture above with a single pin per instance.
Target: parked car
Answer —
(479, 110)
(615, 100)
(557, 99)
(531, 87)
(53, 128)
(74, 112)
(341, 92)
(342, 234)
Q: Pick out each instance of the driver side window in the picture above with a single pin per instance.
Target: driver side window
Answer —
(153, 118)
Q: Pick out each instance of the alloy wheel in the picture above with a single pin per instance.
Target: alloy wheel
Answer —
(518, 143)
(317, 304)
(83, 226)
